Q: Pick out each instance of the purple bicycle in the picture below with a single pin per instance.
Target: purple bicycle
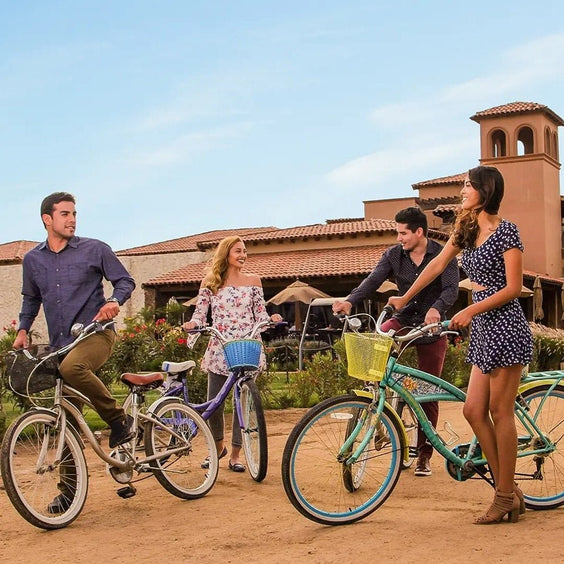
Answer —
(243, 359)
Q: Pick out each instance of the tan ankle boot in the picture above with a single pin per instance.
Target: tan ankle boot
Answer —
(503, 504)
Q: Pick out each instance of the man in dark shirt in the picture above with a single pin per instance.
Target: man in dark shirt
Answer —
(64, 274)
(404, 262)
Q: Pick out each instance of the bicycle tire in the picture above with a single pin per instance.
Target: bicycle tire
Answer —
(541, 478)
(255, 441)
(313, 476)
(31, 486)
(181, 474)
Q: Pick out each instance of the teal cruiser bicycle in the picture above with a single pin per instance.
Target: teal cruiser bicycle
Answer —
(358, 442)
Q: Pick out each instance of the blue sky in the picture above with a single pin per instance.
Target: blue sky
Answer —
(170, 118)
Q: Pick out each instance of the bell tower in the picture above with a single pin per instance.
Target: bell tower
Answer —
(521, 140)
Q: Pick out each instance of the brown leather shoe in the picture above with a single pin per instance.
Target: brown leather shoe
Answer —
(423, 467)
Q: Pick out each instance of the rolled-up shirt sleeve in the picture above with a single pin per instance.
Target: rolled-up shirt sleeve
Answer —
(114, 271)
(373, 281)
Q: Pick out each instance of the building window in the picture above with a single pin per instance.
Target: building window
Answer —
(548, 142)
(525, 141)
(555, 145)
(499, 145)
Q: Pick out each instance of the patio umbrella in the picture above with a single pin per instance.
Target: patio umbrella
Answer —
(190, 302)
(538, 312)
(295, 293)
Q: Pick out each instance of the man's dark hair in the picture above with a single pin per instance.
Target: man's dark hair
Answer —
(50, 201)
(413, 218)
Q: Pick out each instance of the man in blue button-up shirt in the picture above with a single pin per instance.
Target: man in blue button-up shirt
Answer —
(65, 274)
(404, 262)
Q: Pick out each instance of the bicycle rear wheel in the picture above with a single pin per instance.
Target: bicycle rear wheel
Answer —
(541, 476)
(254, 435)
(32, 475)
(319, 484)
(178, 426)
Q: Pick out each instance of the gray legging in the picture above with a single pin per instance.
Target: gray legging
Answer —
(216, 421)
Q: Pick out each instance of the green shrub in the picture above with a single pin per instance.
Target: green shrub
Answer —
(548, 348)
(282, 353)
(324, 376)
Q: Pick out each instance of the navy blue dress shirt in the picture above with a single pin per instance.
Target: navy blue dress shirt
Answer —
(69, 285)
(397, 264)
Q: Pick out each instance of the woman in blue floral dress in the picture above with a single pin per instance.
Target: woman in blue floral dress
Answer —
(236, 302)
(501, 342)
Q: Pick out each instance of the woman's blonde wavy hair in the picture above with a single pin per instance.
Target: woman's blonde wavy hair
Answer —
(488, 181)
(217, 272)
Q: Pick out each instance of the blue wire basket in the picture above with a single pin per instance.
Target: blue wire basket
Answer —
(242, 353)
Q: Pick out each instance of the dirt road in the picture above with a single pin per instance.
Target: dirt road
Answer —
(426, 519)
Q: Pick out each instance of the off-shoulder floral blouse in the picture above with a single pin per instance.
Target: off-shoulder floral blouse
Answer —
(234, 311)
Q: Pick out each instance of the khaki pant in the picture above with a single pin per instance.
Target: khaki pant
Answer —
(78, 367)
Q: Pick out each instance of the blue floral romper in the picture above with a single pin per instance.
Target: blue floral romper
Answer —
(501, 336)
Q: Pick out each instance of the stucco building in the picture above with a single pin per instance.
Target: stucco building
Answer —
(520, 138)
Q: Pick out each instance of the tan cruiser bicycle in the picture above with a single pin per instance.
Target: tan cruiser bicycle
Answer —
(43, 450)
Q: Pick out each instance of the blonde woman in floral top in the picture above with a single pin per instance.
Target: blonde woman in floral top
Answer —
(236, 302)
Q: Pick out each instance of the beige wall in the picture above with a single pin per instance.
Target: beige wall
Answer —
(11, 301)
(144, 267)
(386, 209)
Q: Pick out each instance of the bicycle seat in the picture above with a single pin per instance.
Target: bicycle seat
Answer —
(176, 367)
(154, 379)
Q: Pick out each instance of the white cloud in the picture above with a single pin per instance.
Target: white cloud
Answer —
(426, 123)
(183, 148)
(214, 95)
(532, 62)
(378, 168)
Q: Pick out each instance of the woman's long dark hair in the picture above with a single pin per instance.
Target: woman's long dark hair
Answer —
(488, 181)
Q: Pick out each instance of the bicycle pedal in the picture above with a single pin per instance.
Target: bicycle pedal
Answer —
(127, 492)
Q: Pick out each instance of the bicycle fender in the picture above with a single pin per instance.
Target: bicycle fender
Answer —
(393, 413)
(530, 383)
(159, 401)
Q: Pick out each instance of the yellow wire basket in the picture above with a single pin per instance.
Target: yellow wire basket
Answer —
(367, 355)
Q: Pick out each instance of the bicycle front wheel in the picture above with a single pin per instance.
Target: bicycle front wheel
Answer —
(541, 476)
(254, 430)
(34, 477)
(319, 483)
(180, 472)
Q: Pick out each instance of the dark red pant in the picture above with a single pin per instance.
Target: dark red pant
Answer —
(430, 358)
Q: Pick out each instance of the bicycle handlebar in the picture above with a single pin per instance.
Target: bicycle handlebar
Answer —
(429, 330)
(257, 327)
(81, 332)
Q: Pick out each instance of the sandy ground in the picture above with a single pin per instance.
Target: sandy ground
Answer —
(426, 519)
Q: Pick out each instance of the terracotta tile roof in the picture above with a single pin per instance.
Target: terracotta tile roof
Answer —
(443, 180)
(445, 208)
(191, 242)
(14, 251)
(322, 230)
(290, 265)
(516, 108)
(344, 220)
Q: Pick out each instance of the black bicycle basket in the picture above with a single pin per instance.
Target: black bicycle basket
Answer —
(29, 374)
